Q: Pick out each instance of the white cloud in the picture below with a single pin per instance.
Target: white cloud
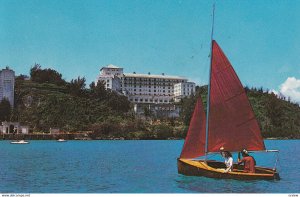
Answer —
(291, 88)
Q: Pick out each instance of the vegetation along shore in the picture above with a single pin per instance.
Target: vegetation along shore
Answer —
(47, 101)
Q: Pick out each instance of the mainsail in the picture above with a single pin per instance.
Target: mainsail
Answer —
(195, 139)
(232, 123)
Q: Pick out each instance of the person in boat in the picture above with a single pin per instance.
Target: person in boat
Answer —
(249, 162)
(228, 159)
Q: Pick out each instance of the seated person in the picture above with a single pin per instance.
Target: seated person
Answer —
(228, 159)
(249, 162)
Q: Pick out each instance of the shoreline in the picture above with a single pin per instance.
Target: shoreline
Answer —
(86, 137)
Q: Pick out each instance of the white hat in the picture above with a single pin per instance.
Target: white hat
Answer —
(245, 151)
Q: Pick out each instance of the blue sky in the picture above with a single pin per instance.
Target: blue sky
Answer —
(261, 38)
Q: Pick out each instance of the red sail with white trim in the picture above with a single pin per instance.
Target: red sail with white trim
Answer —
(195, 140)
(232, 123)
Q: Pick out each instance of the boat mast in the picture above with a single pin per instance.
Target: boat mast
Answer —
(208, 88)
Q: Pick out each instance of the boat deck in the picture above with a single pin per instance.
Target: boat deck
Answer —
(216, 169)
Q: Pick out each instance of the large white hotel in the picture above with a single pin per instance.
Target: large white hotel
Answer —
(146, 88)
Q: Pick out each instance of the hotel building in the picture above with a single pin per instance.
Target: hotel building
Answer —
(158, 93)
(111, 76)
(146, 88)
(7, 85)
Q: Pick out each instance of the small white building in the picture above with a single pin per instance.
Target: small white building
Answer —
(111, 76)
(13, 127)
(183, 89)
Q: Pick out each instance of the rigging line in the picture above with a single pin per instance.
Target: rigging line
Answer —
(208, 89)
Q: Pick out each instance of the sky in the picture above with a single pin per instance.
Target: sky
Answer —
(261, 38)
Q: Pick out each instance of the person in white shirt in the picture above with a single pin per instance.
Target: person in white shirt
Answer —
(228, 160)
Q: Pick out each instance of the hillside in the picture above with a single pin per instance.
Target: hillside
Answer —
(47, 101)
(276, 117)
(44, 105)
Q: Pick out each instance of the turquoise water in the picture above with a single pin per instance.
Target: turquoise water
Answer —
(128, 167)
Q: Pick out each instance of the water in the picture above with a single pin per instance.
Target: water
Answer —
(127, 167)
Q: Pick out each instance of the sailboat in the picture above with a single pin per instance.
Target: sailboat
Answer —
(229, 122)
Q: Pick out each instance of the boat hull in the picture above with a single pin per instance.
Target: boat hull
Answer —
(19, 142)
(61, 140)
(215, 169)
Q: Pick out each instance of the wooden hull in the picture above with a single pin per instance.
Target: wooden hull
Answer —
(214, 169)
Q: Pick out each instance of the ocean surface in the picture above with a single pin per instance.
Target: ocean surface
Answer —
(129, 167)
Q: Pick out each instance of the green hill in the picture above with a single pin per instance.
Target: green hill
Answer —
(44, 105)
(47, 101)
(277, 117)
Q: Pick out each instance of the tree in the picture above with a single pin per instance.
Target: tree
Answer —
(77, 87)
(37, 74)
(21, 77)
(118, 102)
(98, 91)
(188, 105)
(5, 110)
(147, 111)
(275, 111)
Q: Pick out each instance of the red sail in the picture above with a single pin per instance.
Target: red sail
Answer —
(232, 123)
(194, 144)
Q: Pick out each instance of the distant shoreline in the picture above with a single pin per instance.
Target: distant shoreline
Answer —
(84, 136)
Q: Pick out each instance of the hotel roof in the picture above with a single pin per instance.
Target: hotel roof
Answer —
(110, 66)
(153, 76)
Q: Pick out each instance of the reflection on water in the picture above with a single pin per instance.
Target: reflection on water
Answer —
(210, 185)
